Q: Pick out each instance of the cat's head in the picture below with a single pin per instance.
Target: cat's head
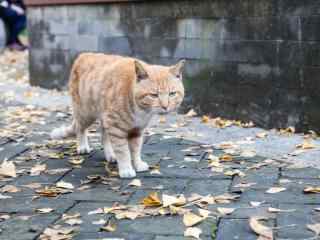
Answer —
(159, 89)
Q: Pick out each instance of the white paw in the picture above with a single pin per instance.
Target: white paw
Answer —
(111, 158)
(84, 149)
(127, 173)
(141, 166)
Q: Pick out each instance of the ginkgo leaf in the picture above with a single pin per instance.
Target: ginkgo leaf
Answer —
(225, 211)
(275, 190)
(260, 229)
(8, 169)
(193, 232)
(262, 135)
(190, 219)
(37, 169)
(135, 183)
(204, 213)
(73, 221)
(191, 113)
(9, 189)
(315, 228)
(306, 145)
(66, 185)
(44, 210)
(152, 200)
(33, 185)
(226, 158)
(110, 227)
(205, 119)
(255, 204)
(276, 210)
(168, 200)
(309, 189)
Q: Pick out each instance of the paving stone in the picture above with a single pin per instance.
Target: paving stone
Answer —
(12, 150)
(292, 224)
(300, 173)
(112, 236)
(19, 229)
(28, 204)
(205, 187)
(171, 237)
(263, 178)
(237, 229)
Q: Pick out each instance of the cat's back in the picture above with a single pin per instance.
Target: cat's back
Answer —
(90, 64)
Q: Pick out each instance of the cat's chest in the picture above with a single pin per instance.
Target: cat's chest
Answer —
(141, 119)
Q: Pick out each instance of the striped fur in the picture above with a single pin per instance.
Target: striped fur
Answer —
(123, 94)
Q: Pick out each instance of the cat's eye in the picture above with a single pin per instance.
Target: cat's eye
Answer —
(154, 95)
(172, 94)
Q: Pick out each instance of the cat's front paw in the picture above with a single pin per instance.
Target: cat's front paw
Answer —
(84, 149)
(141, 166)
(127, 173)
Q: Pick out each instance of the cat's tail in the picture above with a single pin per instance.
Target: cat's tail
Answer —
(63, 132)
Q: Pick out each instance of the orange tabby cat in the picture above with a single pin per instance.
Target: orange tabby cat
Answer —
(123, 94)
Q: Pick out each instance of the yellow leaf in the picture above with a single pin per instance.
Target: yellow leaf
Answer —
(191, 113)
(162, 119)
(37, 169)
(8, 169)
(152, 200)
(205, 119)
(262, 135)
(204, 213)
(314, 228)
(135, 183)
(306, 145)
(110, 227)
(260, 229)
(193, 232)
(9, 189)
(168, 200)
(275, 190)
(190, 219)
(44, 210)
(225, 211)
(311, 190)
(226, 158)
(65, 185)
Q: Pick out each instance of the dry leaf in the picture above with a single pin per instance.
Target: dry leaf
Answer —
(260, 229)
(248, 153)
(110, 227)
(275, 190)
(205, 119)
(70, 216)
(204, 213)
(314, 228)
(306, 145)
(276, 210)
(190, 219)
(8, 169)
(255, 204)
(97, 211)
(162, 119)
(135, 183)
(4, 196)
(262, 135)
(99, 222)
(33, 185)
(193, 232)
(65, 185)
(191, 113)
(225, 211)
(37, 169)
(152, 200)
(9, 189)
(73, 221)
(168, 200)
(44, 210)
(226, 158)
(309, 189)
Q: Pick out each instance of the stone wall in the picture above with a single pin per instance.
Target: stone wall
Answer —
(253, 60)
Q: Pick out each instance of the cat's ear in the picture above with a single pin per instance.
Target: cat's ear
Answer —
(177, 69)
(141, 73)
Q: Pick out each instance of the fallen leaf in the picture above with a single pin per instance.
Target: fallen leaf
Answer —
(226, 158)
(152, 200)
(306, 145)
(248, 153)
(191, 113)
(9, 189)
(314, 228)
(168, 200)
(277, 210)
(162, 119)
(110, 227)
(33, 185)
(66, 185)
(260, 229)
(275, 190)
(135, 183)
(97, 211)
(44, 210)
(205, 119)
(190, 219)
(262, 135)
(37, 169)
(225, 211)
(255, 204)
(8, 169)
(66, 216)
(309, 189)
(204, 213)
(193, 232)
(99, 222)
(4, 196)
(73, 221)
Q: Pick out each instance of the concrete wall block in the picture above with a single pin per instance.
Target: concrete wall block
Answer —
(84, 43)
(117, 45)
(60, 42)
(56, 27)
(35, 13)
